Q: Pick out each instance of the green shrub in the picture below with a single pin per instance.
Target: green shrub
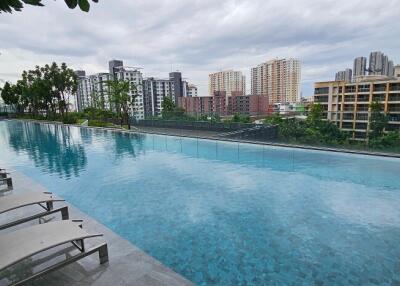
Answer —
(70, 119)
(97, 123)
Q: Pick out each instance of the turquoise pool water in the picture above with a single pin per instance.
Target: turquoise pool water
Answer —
(225, 213)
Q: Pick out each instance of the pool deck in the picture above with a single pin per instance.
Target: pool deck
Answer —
(128, 265)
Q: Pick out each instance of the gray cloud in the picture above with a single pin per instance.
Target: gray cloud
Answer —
(200, 36)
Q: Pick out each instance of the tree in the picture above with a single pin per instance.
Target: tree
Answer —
(315, 114)
(378, 120)
(9, 95)
(43, 89)
(9, 5)
(63, 82)
(168, 107)
(122, 96)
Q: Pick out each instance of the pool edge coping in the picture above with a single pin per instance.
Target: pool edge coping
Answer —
(303, 147)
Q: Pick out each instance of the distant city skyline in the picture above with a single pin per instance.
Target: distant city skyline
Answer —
(209, 36)
(378, 63)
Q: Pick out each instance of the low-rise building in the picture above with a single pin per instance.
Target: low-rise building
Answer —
(220, 104)
(348, 104)
(252, 105)
(205, 105)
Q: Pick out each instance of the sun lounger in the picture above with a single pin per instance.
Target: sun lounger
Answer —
(4, 174)
(44, 200)
(24, 243)
(8, 182)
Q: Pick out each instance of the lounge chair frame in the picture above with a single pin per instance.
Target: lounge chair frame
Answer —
(77, 242)
(48, 206)
(7, 181)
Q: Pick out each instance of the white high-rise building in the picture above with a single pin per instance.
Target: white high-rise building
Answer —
(192, 90)
(155, 90)
(93, 90)
(228, 81)
(346, 75)
(279, 79)
(135, 78)
(360, 66)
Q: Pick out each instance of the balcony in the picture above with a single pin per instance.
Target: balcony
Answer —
(394, 87)
(363, 98)
(348, 116)
(321, 99)
(321, 90)
(379, 87)
(379, 97)
(394, 97)
(350, 89)
(394, 118)
(362, 116)
(364, 88)
(348, 107)
(361, 126)
(349, 98)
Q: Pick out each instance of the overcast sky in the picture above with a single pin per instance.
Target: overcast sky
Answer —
(197, 37)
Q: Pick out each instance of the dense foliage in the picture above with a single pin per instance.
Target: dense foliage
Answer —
(313, 130)
(122, 98)
(172, 112)
(9, 6)
(44, 91)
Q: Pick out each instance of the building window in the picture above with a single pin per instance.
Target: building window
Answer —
(321, 90)
(361, 126)
(394, 86)
(363, 88)
(350, 89)
(379, 97)
(362, 116)
(380, 87)
(394, 97)
(363, 98)
(347, 125)
(349, 98)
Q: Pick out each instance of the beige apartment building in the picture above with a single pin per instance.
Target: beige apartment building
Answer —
(227, 81)
(348, 104)
(279, 79)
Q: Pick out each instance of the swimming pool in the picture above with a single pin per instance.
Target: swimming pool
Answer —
(223, 213)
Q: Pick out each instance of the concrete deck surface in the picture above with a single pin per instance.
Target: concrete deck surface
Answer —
(127, 265)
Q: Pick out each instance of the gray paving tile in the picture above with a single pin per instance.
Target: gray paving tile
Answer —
(128, 264)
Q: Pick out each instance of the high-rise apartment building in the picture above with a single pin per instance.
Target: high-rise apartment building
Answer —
(390, 68)
(279, 79)
(360, 66)
(93, 90)
(155, 90)
(345, 75)
(114, 66)
(135, 78)
(379, 64)
(376, 63)
(397, 71)
(227, 81)
(176, 78)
